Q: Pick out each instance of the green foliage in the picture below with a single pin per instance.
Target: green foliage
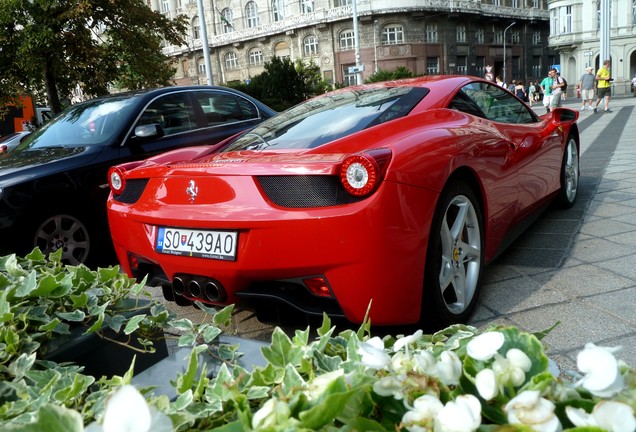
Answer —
(52, 46)
(400, 72)
(338, 382)
(284, 84)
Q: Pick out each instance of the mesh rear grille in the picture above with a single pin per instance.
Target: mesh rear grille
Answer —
(305, 191)
(133, 191)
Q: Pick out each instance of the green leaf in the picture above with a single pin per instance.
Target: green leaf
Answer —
(292, 381)
(224, 316)
(50, 326)
(184, 400)
(211, 333)
(21, 365)
(133, 323)
(186, 380)
(362, 424)
(326, 411)
(183, 324)
(75, 316)
(27, 286)
(281, 351)
(540, 335)
(79, 300)
(52, 418)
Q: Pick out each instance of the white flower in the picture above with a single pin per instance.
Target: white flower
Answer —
(602, 375)
(402, 363)
(460, 415)
(449, 368)
(389, 386)
(609, 415)
(373, 354)
(425, 362)
(530, 409)
(407, 340)
(519, 359)
(272, 413)
(422, 416)
(318, 385)
(127, 411)
(507, 373)
(486, 383)
(484, 346)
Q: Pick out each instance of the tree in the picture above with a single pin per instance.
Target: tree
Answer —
(54, 45)
(400, 72)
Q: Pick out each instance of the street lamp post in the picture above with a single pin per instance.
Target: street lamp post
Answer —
(504, 56)
(375, 48)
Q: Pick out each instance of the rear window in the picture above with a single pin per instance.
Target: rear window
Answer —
(329, 117)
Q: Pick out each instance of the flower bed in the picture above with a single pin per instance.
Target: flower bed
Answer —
(458, 379)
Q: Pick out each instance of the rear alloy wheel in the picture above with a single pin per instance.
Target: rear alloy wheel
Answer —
(64, 232)
(569, 175)
(454, 258)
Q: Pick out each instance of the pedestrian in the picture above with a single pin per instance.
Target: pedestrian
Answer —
(531, 92)
(500, 82)
(634, 85)
(586, 85)
(557, 89)
(546, 89)
(520, 91)
(511, 86)
(603, 86)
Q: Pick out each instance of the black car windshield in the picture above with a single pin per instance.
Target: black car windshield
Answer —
(329, 117)
(94, 122)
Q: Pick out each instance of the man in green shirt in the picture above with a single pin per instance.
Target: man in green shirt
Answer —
(546, 89)
(603, 86)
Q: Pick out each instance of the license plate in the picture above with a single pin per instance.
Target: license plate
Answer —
(220, 245)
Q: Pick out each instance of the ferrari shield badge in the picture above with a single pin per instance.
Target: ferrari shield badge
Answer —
(192, 190)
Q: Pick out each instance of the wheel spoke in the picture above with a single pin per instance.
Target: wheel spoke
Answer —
(460, 221)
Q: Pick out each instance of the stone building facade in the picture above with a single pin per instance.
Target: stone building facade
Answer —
(426, 36)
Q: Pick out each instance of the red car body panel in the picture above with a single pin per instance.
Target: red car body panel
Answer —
(373, 250)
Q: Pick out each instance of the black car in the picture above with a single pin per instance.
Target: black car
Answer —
(53, 186)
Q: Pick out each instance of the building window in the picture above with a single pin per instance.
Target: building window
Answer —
(196, 29)
(536, 66)
(306, 6)
(340, 3)
(282, 50)
(231, 61)
(310, 45)
(462, 68)
(565, 19)
(227, 19)
(251, 14)
(461, 33)
(392, 34)
(432, 65)
(185, 67)
(536, 38)
(346, 40)
(165, 6)
(479, 36)
(348, 79)
(515, 4)
(431, 33)
(201, 67)
(496, 2)
(255, 57)
(535, 4)
(498, 37)
(554, 21)
(515, 37)
(278, 8)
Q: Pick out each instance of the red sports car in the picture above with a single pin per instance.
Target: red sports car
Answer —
(393, 195)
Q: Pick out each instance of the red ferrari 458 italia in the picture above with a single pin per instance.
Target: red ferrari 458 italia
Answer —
(389, 197)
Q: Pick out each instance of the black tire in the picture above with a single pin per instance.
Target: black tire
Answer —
(66, 232)
(569, 175)
(454, 258)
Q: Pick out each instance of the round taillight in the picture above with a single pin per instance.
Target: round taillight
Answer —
(359, 174)
(3, 148)
(116, 180)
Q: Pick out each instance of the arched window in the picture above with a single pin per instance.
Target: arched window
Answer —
(310, 45)
(227, 20)
(346, 40)
(251, 15)
(278, 8)
(231, 61)
(392, 34)
(196, 28)
(255, 57)
(281, 49)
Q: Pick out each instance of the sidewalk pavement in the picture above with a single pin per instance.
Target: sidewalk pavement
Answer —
(576, 266)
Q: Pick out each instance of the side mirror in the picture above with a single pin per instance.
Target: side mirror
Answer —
(564, 115)
(149, 131)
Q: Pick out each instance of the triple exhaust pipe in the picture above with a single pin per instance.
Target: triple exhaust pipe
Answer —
(198, 287)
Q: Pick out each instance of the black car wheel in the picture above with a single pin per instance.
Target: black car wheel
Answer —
(569, 175)
(454, 258)
(66, 232)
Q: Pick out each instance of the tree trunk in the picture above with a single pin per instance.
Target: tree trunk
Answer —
(51, 89)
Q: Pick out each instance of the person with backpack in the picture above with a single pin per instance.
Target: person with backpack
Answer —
(558, 86)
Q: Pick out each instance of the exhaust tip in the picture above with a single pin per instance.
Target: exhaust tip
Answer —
(178, 285)
(194, 288)
(214, 291)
